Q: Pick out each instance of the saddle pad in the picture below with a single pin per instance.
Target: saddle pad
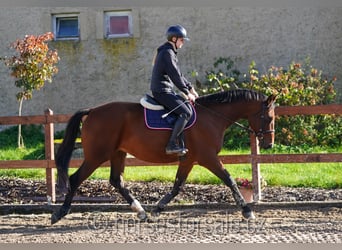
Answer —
(154, 120)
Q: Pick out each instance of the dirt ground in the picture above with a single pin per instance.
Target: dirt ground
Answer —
(301, 215)
(302, 224)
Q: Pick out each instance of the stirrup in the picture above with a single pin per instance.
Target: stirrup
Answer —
(183, 152)
(177, 150)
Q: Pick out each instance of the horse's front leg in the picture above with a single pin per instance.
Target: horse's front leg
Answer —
(218, 169)
(247, 213)
(182, 173)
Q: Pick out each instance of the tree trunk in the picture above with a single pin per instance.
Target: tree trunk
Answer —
(20, 137)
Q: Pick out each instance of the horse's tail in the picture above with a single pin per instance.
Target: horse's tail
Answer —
(64, 152)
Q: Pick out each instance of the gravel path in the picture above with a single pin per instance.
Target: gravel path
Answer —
(274, 223)
(302, 225)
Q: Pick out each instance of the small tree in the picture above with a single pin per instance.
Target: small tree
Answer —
(33, 65)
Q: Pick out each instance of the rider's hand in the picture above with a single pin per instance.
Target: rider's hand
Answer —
(191, 97)
(193, 91)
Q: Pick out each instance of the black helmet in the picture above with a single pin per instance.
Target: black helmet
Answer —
(176, 31)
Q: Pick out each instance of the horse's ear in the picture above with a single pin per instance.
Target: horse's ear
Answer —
(271, 99)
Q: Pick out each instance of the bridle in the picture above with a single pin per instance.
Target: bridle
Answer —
(260, 134)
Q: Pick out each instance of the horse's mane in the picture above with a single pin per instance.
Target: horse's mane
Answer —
(232, 96)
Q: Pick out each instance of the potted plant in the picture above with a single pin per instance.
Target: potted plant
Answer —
(246, 188)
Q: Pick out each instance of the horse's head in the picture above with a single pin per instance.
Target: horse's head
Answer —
(262, 123)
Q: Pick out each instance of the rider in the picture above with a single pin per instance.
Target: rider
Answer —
(165, 75)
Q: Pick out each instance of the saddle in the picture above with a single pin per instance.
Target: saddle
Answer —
(157, 117)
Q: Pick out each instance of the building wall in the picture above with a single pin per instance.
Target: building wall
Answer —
(94, 70)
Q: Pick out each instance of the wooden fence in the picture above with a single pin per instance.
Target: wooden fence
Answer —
(254, 158)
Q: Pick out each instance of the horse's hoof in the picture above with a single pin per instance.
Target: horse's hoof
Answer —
(54, 218)
(248, 214)
(156, 212)
(142, 215)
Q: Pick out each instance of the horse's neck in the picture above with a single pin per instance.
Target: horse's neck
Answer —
(236, 111)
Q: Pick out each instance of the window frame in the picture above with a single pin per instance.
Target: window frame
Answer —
(121, 13)
(56, 18)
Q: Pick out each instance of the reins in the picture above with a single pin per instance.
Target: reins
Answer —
(248, 129)
(259, 134)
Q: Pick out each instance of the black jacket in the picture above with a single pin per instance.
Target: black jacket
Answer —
(166, 72)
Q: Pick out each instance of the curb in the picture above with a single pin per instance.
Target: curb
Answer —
(107, 207)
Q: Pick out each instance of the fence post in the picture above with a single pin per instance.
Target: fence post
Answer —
(256, 178)
(49, 156)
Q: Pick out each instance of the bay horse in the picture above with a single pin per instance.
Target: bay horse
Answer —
(112, 130)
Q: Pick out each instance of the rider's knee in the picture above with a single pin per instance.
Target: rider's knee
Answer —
(186, 116)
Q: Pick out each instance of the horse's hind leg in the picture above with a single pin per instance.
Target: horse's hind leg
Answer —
(75, 179)
(182, 174)
(117, 168)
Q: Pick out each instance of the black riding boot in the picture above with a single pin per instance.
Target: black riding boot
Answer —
(173, 146)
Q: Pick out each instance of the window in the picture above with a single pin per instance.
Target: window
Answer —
(118, 24)
(66, 27)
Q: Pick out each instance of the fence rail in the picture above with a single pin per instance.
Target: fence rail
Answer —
(254, 158)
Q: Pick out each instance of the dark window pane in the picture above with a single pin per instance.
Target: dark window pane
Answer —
(67, 27)
(119, 25)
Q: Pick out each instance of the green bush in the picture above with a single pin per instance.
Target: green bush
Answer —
(33, 135)
(295, 85)
(222, 77)
(34, 140)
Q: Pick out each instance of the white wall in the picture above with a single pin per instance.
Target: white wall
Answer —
(94, 70)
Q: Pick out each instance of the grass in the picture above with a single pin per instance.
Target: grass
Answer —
(322, 175)
(318, 175)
